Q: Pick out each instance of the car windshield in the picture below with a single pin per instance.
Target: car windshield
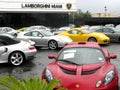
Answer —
(47, 33)
(80, 56)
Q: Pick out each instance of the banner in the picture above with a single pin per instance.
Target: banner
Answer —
(38, 6)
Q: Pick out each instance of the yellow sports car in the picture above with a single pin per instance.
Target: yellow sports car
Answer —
(78, 35)
(22, 29)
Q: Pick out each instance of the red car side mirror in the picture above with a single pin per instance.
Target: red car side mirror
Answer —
(113, 56)
(52, 57)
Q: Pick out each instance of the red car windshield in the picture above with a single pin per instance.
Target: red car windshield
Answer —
(81, 56)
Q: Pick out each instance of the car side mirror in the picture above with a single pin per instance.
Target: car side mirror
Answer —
(52, 57)
(113, 56)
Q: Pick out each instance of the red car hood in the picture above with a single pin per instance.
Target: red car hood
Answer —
(84, 75)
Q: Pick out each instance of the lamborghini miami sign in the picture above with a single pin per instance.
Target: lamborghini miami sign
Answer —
(38, 5)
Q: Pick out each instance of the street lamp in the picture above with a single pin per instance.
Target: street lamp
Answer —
(105, 11)
(73, 17)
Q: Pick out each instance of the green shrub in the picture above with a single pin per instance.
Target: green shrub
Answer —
(12, 83)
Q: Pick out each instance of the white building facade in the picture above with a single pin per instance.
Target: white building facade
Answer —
(38, 6)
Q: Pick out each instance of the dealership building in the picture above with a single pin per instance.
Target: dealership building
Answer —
(22, 13)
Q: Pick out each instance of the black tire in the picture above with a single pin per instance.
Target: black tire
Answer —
(52, 45)
(92, 39)
(16, 58)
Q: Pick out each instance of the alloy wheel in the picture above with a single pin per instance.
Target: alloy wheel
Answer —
(16, 58)
(53, 45)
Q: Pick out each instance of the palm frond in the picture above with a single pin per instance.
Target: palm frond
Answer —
(35, 83)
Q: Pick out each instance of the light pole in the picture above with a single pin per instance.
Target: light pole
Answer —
(105, 11)
(73, 17)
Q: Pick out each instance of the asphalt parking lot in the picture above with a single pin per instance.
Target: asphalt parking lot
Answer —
(35, 66)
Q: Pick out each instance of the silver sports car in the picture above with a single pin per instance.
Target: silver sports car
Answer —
(45, 38)
(8, 30)
(112, 33)
(15, 51)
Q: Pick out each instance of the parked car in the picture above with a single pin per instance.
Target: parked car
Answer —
(61, 29)
(78, 35)
(38, 27)
(117, 26)
(109, 25)
(15, 51)
(83, 66)
(8, 30)
(44, 38)
(94, 27)
(112, 33)
(22, 29)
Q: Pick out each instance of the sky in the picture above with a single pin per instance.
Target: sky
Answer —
(98, 6)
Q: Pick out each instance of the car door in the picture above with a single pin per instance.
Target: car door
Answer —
(37, 37)
(41, 39)
(75, 35)
(33, 35)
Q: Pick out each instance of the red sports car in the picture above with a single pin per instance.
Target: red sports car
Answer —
(83, 66)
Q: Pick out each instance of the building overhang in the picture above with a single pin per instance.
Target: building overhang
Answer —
(49, 6)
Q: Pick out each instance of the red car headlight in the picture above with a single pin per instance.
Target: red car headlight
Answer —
(48, 75)
(109, 77)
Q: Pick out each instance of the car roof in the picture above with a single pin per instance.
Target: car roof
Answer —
(83, 44)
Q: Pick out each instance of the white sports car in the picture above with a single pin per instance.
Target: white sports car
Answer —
(44, 38)
(15, 51)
